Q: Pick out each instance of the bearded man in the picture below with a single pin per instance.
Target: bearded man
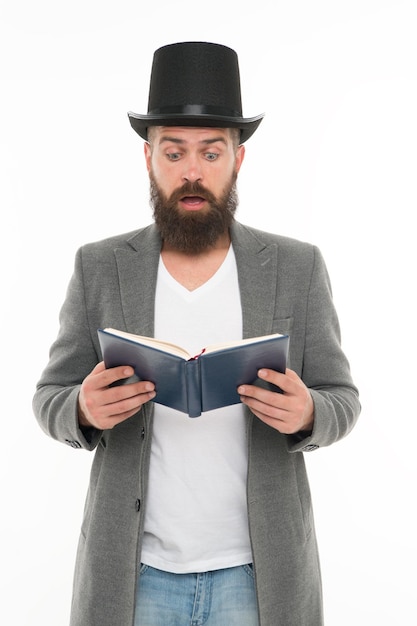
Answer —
(207, 520)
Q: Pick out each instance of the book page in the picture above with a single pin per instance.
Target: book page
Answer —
(165, 346)
(240, 342)
(172, 348)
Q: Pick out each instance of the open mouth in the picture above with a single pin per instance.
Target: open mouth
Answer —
(193, 203)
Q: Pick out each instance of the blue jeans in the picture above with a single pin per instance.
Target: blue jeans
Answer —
(223, 597)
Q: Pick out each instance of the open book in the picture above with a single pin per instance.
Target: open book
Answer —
(195, 383)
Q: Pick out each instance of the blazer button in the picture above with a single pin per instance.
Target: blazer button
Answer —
(137, 505)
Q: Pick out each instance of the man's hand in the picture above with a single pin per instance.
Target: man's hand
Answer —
(289, 412)
(102, 406)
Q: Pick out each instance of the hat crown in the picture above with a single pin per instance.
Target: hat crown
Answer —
(195, 83)
(195, 73)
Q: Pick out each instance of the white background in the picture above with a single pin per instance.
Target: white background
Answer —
(333, 162)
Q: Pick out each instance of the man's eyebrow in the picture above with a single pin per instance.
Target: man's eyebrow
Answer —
(171, 139)
(214, 140)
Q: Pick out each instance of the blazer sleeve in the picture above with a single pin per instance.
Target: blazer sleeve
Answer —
(72, 357)
(325, 368)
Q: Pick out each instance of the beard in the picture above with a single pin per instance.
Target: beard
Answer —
(193, 231)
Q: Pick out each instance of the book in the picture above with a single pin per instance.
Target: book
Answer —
(195, 384)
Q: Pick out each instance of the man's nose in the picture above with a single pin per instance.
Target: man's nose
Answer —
(192, 170)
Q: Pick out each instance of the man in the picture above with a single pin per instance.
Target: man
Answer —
(206, 520)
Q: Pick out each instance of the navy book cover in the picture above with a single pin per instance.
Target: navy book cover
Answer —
(195, 384)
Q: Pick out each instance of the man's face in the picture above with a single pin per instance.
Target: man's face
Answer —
(193, 173)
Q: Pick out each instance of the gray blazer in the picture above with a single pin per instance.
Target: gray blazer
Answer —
(284, 288)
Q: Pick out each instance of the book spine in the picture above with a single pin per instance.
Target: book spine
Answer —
(192, 377)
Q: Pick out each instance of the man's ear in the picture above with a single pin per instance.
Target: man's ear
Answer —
(148, 153)
(240, 155)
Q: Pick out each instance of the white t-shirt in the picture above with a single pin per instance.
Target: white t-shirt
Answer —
(196, 512)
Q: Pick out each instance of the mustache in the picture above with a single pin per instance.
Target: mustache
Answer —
(191, 189)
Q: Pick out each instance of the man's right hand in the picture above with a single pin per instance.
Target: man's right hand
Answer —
(102, 406)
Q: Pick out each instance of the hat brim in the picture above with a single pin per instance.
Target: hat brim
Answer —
(247, 126)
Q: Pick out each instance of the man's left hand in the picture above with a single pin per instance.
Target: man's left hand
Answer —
(288, 412)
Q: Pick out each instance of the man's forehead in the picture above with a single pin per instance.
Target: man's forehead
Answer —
(190, 133)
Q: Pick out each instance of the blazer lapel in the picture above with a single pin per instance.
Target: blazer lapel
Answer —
(138, 269)
(257, 271)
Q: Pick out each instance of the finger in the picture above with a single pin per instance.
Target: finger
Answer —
(128, 404)
(288, 382)
(109, 411)
(265, 396)
(263, 400)
(278, 418)
(107, 377)
(130, 390)
(103, 377)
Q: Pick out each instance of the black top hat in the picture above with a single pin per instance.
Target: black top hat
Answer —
(195, 84)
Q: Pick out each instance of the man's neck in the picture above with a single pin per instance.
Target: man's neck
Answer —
(193, 270)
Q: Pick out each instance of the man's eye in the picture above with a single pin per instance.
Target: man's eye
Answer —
(211, 156)
(173, 156)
